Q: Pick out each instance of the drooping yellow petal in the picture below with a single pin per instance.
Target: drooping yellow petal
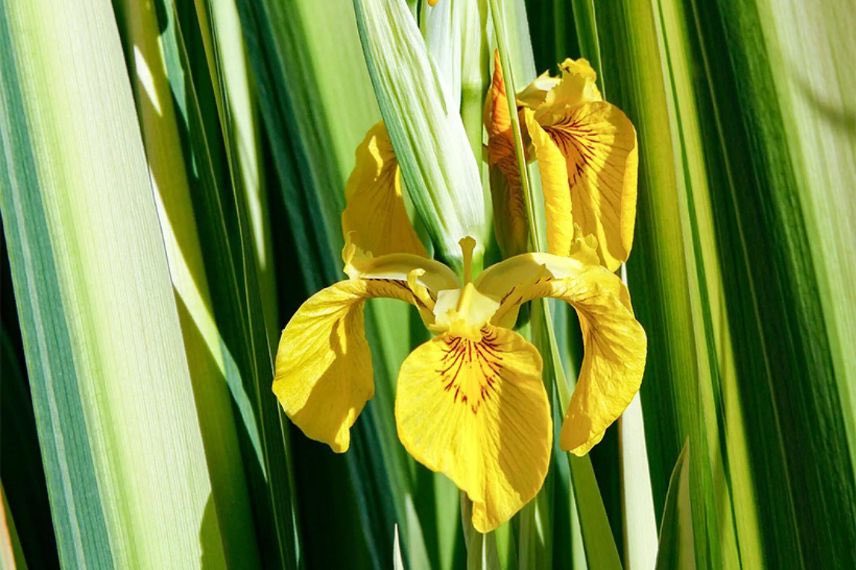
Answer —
(598, 142)
(554, 182)
(614, 342)
(476, 410)
(323, 375)
(375, 216)
(615, 349)
(509, 208)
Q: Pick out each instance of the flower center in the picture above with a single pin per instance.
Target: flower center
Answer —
(468, 245)
(463, 312)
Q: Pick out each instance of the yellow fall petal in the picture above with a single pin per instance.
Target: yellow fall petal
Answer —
(615, 349)
(615, 345)
(375, 215)
(509, 208)
(598, 142)
(477, 411)
(554, 182)
(323, 374)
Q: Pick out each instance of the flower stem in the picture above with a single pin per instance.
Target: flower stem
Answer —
(517, 134)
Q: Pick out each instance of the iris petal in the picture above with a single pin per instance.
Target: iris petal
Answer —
(375, 217)
(476, 410)
(615, 349)
(554, 182)
(598, 142)
(323, 375)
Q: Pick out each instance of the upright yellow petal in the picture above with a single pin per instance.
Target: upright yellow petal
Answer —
(509, 208)
(552, 96)
(375, 216)
(577, 84)
(554, 182)
(615, 345)
(598, 142)
(534, 94)
(323, 375)
(476, 410)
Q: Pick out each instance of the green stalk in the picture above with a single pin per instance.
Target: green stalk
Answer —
(531, 550)
(520, 155)
(640, 526)
(481, 548)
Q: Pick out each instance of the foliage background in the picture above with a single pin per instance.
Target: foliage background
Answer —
(171, 185)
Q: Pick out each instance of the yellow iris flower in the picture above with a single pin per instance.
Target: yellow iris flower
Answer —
(471, 402)
(587, 156)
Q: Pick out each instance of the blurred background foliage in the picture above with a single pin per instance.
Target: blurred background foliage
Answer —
(171, 189)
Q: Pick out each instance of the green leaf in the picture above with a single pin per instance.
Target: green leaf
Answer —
(203, 108)
(598, 539)
(397, 560)
(21, 471)
(637, 502)
(725, 211)
(787, 328)
(161, 125)
(220, 137)
(122, 441)
(677, 548)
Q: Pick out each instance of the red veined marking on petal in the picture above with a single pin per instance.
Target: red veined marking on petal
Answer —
(485, 359)
(507, 295)
(452, 347)
(457, 363)
(401, 285)
(491, 350)
(576, 142)
(462, 352)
